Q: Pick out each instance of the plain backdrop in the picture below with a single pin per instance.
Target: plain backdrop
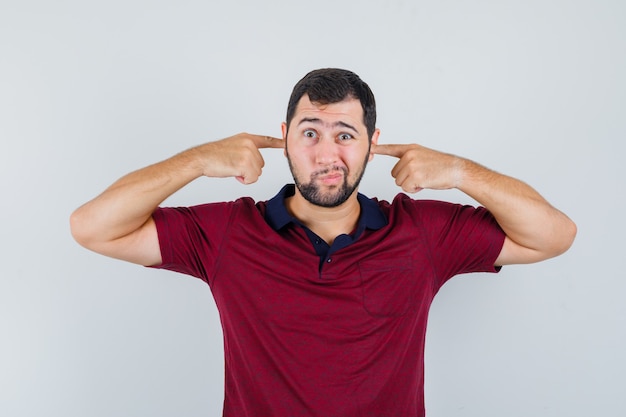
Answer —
(90, 90)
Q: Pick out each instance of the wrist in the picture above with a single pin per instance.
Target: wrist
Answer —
(459, 171)
(191, 162)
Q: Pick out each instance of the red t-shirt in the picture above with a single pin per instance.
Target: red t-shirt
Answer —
(343, 339)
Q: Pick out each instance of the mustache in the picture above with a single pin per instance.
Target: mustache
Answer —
(329, 170)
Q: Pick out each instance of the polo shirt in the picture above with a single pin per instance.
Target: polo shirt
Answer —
(277, 216)
(341, 338)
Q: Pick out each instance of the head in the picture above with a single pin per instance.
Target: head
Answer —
(332, 85)
(329, 130)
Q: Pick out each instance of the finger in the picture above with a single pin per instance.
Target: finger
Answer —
(408, 183)
(400, 170)
(251, 176)
(390, 150)
(400, 174)
(267, 141)
(246, 180)
(407, 177)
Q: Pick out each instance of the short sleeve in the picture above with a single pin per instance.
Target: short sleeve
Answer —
(461, 238)
(190, 237)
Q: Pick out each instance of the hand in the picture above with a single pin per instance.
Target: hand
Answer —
(420, 167)
(237, 156)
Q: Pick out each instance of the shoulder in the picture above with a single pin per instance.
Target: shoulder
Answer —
(403, 204)
(217, 205)
(213, 211)
(433, 214)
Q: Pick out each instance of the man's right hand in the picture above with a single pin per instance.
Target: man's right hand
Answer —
(237, 156)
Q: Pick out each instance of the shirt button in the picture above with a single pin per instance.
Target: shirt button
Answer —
(329, 260)
(317, 241)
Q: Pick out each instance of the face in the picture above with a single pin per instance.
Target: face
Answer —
(327, 148)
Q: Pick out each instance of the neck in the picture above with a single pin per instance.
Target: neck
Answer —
(326, 222)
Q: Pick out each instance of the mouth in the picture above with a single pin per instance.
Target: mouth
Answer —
(330, 177)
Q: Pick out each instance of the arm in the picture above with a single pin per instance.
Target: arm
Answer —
(535, 230)
(118, 223)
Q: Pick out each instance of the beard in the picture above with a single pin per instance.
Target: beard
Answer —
(336, 195)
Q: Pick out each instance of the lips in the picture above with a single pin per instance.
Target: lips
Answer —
(330, 177)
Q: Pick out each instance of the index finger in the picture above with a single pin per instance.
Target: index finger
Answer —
(267, 142)
(390, 150)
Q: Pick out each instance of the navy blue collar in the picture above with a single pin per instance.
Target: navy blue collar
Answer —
(277, 216)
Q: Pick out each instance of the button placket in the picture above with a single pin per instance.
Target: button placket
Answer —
(327, 266)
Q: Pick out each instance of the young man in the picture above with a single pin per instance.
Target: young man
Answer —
(323, 293)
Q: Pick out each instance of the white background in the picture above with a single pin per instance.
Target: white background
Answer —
(92, 90)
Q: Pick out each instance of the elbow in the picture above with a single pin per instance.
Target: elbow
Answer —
(572, 231)
(567, 234)
(79, 227)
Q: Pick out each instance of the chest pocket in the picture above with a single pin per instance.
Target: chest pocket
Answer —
(389, 287)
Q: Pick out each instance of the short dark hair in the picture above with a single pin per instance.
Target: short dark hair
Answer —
(332, 85)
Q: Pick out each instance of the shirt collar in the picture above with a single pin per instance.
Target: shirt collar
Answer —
(277, 216)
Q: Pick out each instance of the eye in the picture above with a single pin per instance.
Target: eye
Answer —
(345, 137)
(310, 134)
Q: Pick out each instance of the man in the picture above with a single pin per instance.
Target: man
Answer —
(323, 293)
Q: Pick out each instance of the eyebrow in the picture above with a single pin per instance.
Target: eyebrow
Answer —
(315, 120)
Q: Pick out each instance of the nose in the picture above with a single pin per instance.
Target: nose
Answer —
(326, 152)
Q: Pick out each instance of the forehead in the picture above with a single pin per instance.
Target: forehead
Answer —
(348, 110)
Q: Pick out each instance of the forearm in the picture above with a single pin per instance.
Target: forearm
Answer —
(525, 216)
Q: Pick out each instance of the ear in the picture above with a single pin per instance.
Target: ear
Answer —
(374, 143)
(283, 128)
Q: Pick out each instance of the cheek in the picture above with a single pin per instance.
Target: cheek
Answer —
(296, 156)
(356, 159)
